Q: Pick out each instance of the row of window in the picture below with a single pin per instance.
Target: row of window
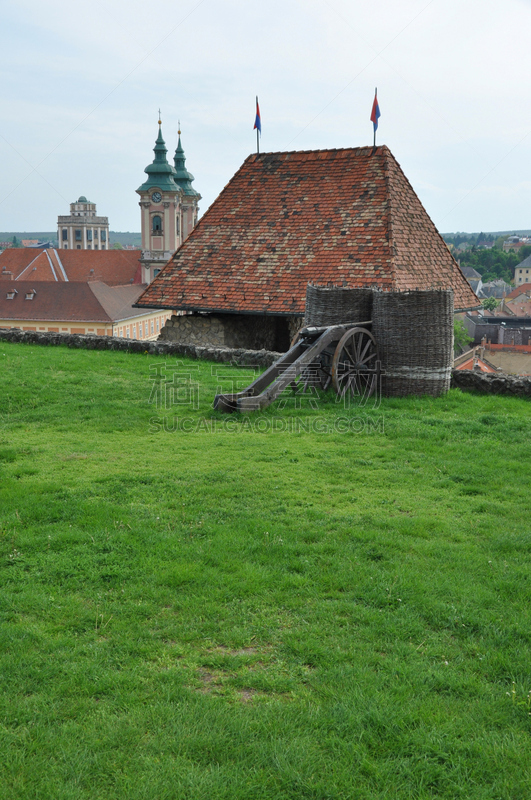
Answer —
(98, 331)
(28, 296)
(89, 247)
(130, 331)
(78, 235)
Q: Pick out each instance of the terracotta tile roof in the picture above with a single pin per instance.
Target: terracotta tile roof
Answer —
(520, 308)
(345, 216)
(471, 363)
(68, 301)
(524, 288)
(114, 267)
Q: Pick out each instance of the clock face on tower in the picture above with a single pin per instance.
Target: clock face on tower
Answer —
(156, 197)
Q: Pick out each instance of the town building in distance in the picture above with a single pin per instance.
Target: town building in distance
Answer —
(78, 307)
(83, 229)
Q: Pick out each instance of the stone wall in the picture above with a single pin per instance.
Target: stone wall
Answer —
(260, 358)
(249, 331)
(491, 383)
(466, 380)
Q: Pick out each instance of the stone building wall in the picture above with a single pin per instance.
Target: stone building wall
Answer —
(510, 336)
(250, 331)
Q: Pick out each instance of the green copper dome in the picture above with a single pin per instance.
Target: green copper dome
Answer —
(181, 176)
(82, 199)
(160, 173)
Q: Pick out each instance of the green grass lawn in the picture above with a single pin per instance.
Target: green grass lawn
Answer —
(284, 606)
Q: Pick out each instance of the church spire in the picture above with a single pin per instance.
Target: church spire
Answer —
(181, 176)
(160, 173)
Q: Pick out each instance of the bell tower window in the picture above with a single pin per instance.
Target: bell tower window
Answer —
(157, 224)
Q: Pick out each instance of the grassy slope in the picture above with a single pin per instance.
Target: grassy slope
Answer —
(265, 615)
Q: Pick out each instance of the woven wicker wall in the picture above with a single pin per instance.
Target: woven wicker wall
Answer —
(334, 305)
(415, 336)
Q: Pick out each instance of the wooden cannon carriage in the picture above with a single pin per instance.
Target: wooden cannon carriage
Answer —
(408, 342)
(344, 356)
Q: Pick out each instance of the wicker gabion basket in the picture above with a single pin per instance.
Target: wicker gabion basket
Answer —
(415, 335)
(335, 305)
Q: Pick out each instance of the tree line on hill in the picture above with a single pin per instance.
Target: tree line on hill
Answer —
(117, 239)
(491, 262)
(494, 264)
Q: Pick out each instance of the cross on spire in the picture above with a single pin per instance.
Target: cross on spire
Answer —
(160, 121)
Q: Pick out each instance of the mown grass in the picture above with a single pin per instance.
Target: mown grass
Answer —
(254, 613)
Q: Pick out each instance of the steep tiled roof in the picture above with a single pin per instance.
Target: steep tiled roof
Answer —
(68, 301)
(114, 267)
(342, 216)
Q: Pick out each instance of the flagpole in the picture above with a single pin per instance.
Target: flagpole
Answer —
(257, 140)
(374, 140)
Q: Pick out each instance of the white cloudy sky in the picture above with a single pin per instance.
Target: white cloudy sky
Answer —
(82, 83)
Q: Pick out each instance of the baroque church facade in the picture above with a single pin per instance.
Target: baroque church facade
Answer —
(169, 207)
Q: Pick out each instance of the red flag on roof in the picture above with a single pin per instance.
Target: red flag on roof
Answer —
(375, 113)
(257, 121)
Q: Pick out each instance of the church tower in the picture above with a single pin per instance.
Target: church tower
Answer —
(190, 197)
(169, 208)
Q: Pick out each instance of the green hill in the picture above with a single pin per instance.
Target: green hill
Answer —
(123, 238)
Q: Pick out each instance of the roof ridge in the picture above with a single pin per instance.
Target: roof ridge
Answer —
(51, 265)
(91, 286)
(429, 221)
(390, 230)
(258, 156)
(65, 276)
(433, 225)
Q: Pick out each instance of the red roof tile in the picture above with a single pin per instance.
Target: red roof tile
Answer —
(524, 288)
(520, 307)
(472, 362)
(342, 216)
(113, 267)
(68, 301)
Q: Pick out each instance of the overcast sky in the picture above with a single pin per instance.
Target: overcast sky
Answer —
(83, 82)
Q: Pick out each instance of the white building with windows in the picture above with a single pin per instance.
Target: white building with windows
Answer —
(522, 273)
(83, 229)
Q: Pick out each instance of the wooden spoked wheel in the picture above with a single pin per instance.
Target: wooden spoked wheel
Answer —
(354, 363)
